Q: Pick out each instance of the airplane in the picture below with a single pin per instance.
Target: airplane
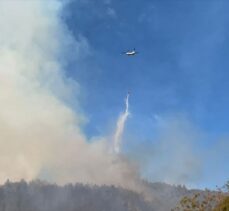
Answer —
(130, 52)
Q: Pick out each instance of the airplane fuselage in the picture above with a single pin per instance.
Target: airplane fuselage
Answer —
(130, 53)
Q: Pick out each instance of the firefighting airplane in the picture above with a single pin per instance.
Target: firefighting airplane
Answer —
(130, 53)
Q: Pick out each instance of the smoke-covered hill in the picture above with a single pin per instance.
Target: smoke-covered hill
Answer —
(40, 196)
(164, 197)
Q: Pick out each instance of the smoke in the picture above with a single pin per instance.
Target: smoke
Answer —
(120, 126)
(40, 135)
(173, 155)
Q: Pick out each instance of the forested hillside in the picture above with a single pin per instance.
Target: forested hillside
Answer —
(41, 196)
(38, 196)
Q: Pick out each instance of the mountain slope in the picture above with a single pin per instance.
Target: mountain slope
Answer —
(41, 196)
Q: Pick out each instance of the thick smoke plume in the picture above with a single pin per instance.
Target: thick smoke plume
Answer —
(120, 126)
(40, 135)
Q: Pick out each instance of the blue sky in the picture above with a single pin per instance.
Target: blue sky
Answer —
(181, 71)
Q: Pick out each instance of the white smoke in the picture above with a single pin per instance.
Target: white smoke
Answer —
(120, 127)
(40, 136)
(172, 156)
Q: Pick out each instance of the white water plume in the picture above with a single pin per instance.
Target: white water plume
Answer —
(120, 126)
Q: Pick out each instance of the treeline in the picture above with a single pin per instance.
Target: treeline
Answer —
(41, 196)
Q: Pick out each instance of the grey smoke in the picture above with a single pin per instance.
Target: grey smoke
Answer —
(40, 135)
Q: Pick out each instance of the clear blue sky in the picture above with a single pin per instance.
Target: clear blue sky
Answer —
(182, 69)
